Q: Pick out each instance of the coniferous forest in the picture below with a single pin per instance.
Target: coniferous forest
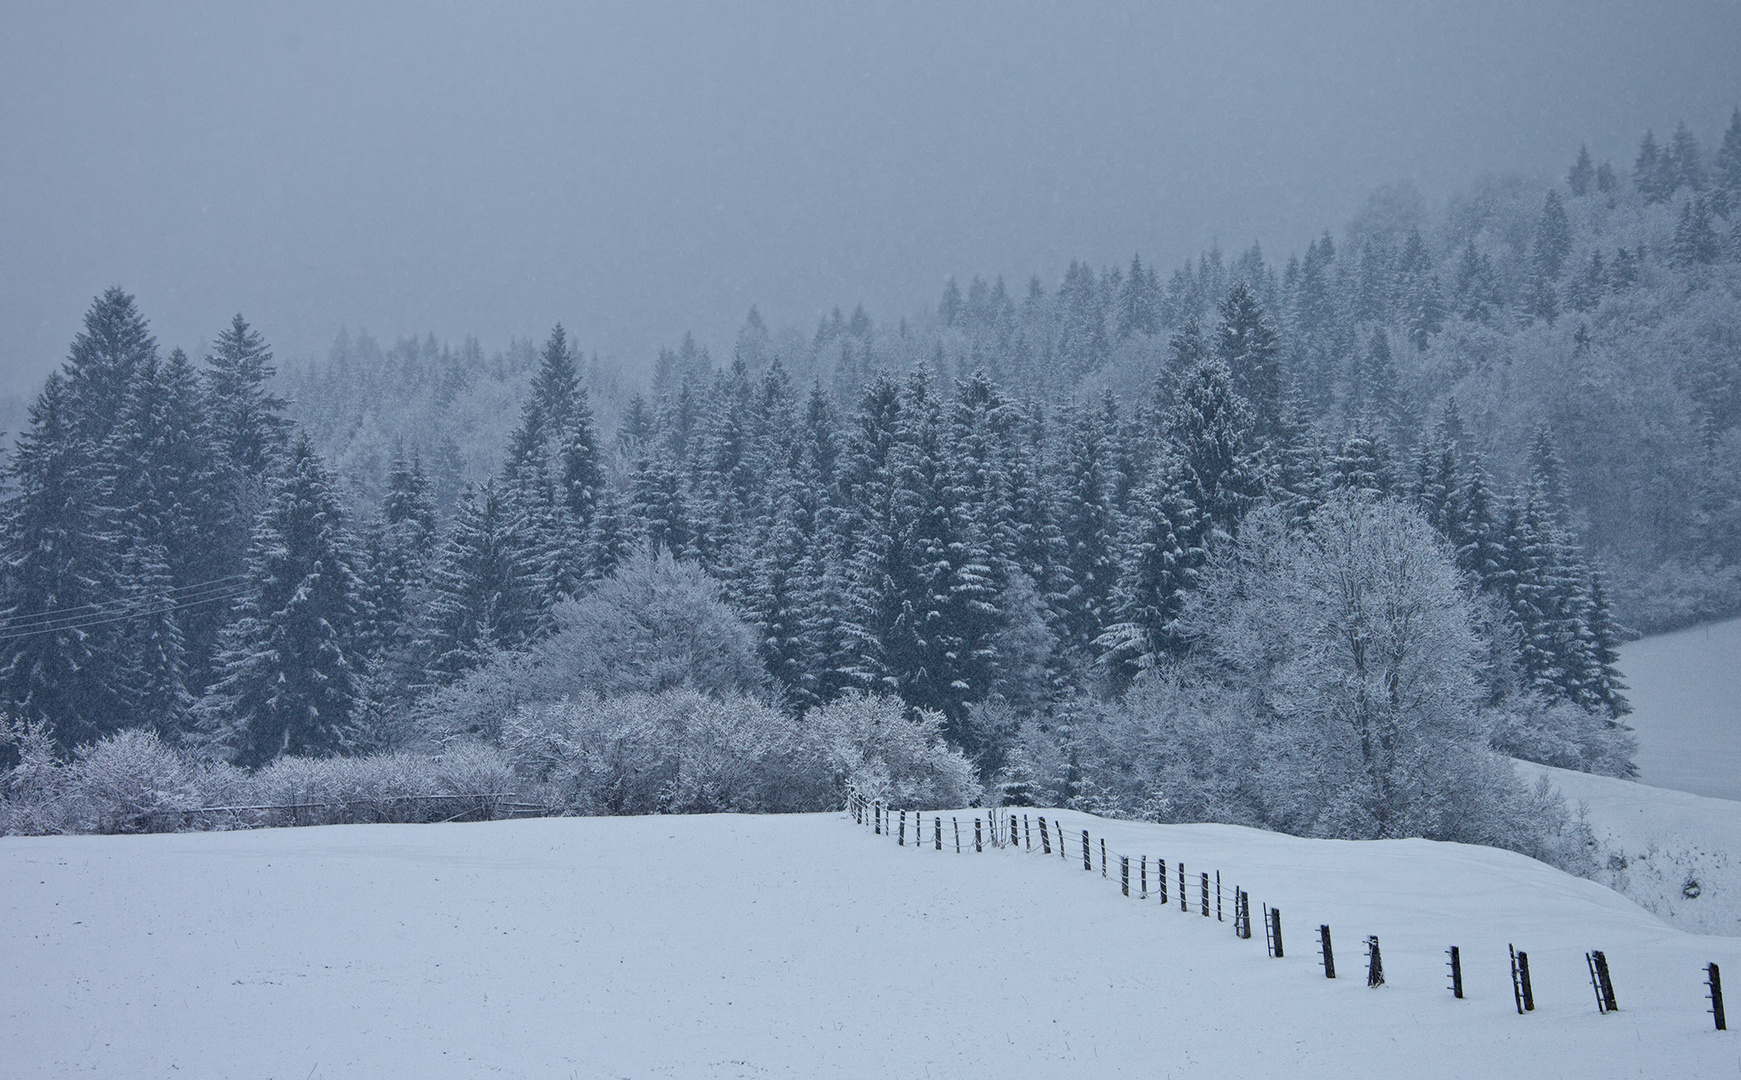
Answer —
(1308, 544)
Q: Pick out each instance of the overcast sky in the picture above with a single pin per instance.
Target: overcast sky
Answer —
(636, 170)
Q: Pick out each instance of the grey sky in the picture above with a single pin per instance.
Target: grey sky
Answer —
(636, 170)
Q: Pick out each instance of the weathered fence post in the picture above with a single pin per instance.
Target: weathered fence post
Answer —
(978, 844)
(1144, 895)
(1124, 873)
(1520, 990)
(901, 837)
(1205, 896)
(938, 832)
(1374, 962)
(1714, 987)
(1087, 855)
(1184, 900)
(957, 823)
(1103, 856)
(1027, 833)
(1324, 950)
(1455, 963)
(877, 818)
(1272, 930)
(1218, 896)
(1600, 982)
(1045, 839)
(1161, 880)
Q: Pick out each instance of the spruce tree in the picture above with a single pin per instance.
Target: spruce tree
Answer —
(1553, 238)
(1726, 176)
(1164, 551)
(289, 671)
(1247, 345)
(485, 591)
(1582, 175)
(1209, 431)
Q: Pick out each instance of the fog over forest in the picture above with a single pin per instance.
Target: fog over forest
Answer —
(637, 171)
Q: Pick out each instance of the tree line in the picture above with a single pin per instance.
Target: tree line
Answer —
(179, 557)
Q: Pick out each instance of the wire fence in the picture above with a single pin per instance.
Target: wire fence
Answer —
(1195, 891)
(354, 810)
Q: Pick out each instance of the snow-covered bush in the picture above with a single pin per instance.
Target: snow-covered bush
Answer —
(876, 746)
(33, 788)
(1563, 735)
(678, 751)
(131, 781)
(656, 624)
(383, 787)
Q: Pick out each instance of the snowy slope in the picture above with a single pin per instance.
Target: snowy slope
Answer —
(805, 947)
(1676, 854)
(1686, 698)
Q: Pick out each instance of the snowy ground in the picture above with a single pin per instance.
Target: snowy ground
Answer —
(805, 947)
(1686, 696)
(1673, 853)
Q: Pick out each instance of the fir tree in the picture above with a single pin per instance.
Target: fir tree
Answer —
(1582, 175)
(1726, 176)
(1209, 432)
(289, 674)
(1553, 238)
(485, 590)
(1247, 344)
(1163, 555)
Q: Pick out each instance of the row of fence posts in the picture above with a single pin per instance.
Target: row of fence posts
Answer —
(1005, 830)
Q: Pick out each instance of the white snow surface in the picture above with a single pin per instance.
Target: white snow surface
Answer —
(1672, 852)
(1685, 690)
(804, 946)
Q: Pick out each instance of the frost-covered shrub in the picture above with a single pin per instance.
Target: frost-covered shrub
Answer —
(676, 752)
(680, 751)
(33, 789)
(402, 787)
(131, 781)
(1564, 735)
(656, 624)
(887, 754)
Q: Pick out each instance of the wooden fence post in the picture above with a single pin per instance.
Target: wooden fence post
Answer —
(1124, 873)
(1144, 895)
(1272, 930)
(1103, 856)
(1455, 963)
(1714, 988)
(1205, 896)
(1218, 896)
(1600, 982)
(1087, 856)
(877, 818)
(1325, 951)
(1520, 989)
(938, 832)
(901, 837)
(1027, 833)
(957, 823)
(1374, 962)
(978, 844)
(1184, 901)
(1045, 840)
(1161, 879)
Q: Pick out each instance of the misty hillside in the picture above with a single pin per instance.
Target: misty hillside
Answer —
(1604, 311)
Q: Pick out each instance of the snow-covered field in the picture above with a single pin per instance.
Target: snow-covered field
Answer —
(1676, 854)
(1686, 697)
(805, 947)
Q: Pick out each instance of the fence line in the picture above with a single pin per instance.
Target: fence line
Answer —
(1002, 828)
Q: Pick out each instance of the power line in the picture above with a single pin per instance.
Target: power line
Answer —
(83, 611)
(107, 618)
